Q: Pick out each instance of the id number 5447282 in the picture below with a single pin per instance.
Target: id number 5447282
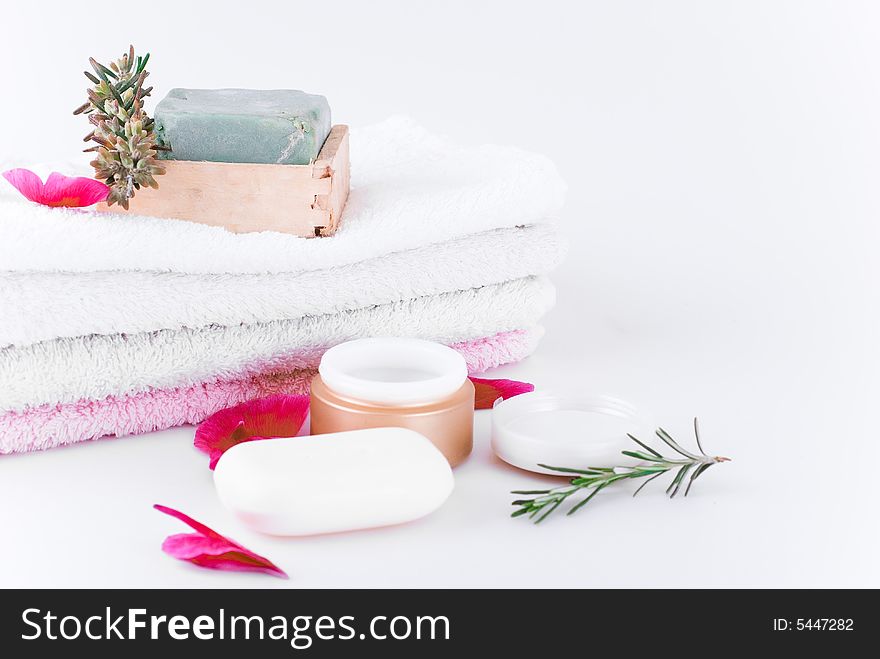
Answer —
(813, 624)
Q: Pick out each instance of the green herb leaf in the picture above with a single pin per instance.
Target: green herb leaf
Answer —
(569, 470)
(657, 475)
(644, 446)
(592, 480)
(124, 133)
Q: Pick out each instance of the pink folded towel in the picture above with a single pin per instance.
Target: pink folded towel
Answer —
(48, 426)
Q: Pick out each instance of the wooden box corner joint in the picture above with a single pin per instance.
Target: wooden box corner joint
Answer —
(305, 200)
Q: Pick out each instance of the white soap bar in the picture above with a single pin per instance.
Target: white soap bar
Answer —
(335, 482)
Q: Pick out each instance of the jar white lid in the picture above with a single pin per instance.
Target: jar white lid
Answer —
(564, 431)
(393, 370)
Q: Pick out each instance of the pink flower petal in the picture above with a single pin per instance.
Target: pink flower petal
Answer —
(75, 192)
(59, 190)
(26, 182)
(209, 549)
(488, 391)
(275, 416)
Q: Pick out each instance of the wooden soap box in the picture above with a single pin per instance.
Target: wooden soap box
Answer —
(306, 200)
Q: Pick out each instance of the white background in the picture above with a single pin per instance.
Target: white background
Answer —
(723, 162)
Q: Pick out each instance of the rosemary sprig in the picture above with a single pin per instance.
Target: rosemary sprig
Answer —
(595, 479)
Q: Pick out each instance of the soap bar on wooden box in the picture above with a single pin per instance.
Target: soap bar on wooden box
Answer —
(271, 126)
(306, 200)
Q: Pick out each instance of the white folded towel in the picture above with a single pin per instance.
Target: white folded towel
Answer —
(409, 189)
(40, 306)
(94, 367)
(113, 324)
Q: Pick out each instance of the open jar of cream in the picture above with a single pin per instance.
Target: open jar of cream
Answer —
(405, 383)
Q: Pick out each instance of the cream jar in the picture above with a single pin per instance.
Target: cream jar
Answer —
(396, 382)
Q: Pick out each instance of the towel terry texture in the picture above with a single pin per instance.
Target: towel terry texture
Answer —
(47, 426)
(95, 366)
(409, 188)
(39, 306)
(118, 324)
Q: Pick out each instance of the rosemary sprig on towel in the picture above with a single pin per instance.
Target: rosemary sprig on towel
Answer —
(595, 479)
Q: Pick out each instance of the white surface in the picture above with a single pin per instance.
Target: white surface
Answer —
(393, 371)
(724, 161)
(343, 481)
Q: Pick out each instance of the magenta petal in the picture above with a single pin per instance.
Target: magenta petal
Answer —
(189, 521)
(488, 391)
(59, 190)
(264, 418)
(75, 192)
(187, 546)
(235, 561)
(209, 549)
(26, 182)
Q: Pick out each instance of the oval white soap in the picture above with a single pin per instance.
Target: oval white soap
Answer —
(335, 482)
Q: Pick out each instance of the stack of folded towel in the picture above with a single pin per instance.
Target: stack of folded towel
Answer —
(114, 325)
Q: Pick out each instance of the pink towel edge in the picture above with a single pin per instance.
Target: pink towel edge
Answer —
(49, 426)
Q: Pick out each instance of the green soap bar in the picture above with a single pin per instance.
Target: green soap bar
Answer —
(281, 126)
